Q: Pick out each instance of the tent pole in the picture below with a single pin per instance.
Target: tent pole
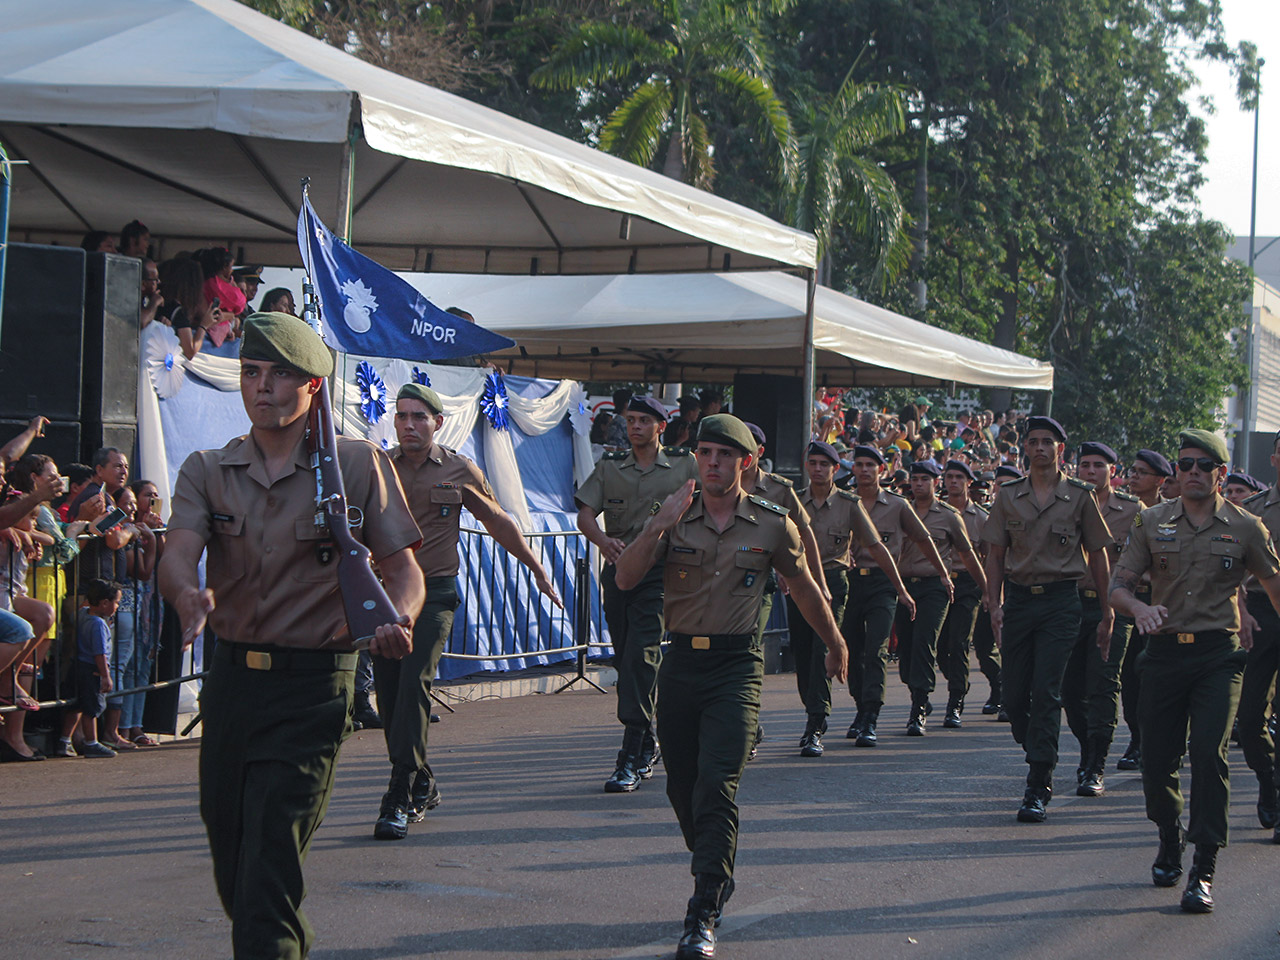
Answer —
(347, 182)
(808, 385)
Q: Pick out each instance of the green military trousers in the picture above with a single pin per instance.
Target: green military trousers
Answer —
(918, 638)
(810, 653)
(1091, 685)
(635, 630)
(957, 636)
(707, 718)
(267, 756)
(1196, 687)
(1259, 687)
(404, 686)
(868, 621)
(1041, 625)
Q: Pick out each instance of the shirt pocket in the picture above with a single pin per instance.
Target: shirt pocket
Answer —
(1166, 558)
(228, 553)
(1228, 560)
(615, 510)
(749, 572)
(446, 503)
(1062, 538)
(683, 570)
(317, 558)
(1016, 529)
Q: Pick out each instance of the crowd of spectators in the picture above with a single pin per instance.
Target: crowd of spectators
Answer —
(79, 615)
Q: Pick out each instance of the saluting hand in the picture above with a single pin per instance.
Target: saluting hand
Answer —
(673, 508)
(194, 606)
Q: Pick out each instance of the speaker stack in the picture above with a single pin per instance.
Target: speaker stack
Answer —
(69, 349)
(776, 405)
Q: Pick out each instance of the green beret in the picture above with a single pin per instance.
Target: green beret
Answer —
(282, 338)
(416, 391)
(727, 429)
(1210, 443)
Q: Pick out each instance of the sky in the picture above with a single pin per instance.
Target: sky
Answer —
(1225, 195)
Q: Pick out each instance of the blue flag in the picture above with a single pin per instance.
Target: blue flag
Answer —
(366, 309)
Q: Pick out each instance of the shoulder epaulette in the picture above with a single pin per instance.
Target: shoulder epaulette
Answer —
(847, 495)
(760, 501)
(615, 455)
(1017, 480)
(1123, 495)
(779, 479)
(946, 506)
(677, 451)
(1080, 483)
(894, 493)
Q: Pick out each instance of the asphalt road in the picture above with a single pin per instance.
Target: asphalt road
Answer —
(908, 850)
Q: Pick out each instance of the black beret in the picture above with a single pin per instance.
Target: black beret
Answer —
(823, 449)
(866, 450)
(1246, 480)
(1047, 423)
(929, 467)
(1007, 470)
(649, 406)
(727, 429)
(756, 432)
(961, 466)
(423, 394)
(284, 339)
(1156, 462)
(1091, 448)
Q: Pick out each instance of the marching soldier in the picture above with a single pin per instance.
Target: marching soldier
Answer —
(438, 483)
(931, 587)
(1035, 535)
(967, 607)
(838, 520)
(628, 488)
(1197, 549)
(1091, 685)
(715, 550)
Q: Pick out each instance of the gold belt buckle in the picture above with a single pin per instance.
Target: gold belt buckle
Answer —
(257, 660)
(1186, 638)
(700, 643)
(863, 571)
(1091, 594)
(1036, 591)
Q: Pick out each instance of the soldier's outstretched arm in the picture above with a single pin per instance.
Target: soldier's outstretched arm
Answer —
(180, 582)
(817, 612)
(503, 529)
(1100, 567)
(635, 560)
(995, 588)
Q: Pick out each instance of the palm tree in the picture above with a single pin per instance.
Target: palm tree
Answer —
(834, 184)
(702, 52)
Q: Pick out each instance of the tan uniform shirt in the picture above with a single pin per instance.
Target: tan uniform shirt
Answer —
(1195, 573)
(974, 517)
(437, 491)
(273, 573)
(895, 522)
(628, 495)
(837, 522)
(1265, 506)
(1046, 544)
(947, 530)
(1119, 513)
(714, 580)
(782, 492)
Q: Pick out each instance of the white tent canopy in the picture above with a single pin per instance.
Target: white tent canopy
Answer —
(706, 327)
(200, 116)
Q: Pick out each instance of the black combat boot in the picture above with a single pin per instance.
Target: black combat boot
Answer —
(1198, 897)
(867, 735)
(627, 775)
(755, 744)
(992, 706)
(1132, 759)
(955, 707)
(811, 742)
(699, 939)
(365, 716)
(1167, 870)
(1268, 809)
(393, 816)
(915, 723)
(1091, 784)
(424, 795)
(1036, 798)
(855, 728)
(650, 754)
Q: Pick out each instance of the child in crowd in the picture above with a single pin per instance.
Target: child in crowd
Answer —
(93, 674)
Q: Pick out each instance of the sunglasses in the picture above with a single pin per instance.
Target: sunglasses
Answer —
(1205, 464)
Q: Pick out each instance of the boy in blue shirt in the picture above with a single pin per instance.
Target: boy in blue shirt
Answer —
(93, 677)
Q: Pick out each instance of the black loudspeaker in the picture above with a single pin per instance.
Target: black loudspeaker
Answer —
(1261, 445)
(122, 436)
(113, 298)
(61, 440)
(40, 353)
(776, 405)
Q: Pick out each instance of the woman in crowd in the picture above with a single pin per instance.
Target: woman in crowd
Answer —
(185, 307)
(278, 300)
(141, 610)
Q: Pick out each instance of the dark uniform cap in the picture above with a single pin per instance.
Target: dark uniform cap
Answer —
(1156, 462)
(757, 433)
(282, 338)
(1210, 443)
(650, 406)
(961, 466)
(929, 467)
(1007, 470)
(1047, 423)
(826, 450)
(866, 450)
(727, 429)
(1245, 480)
(1091, 448)
(247, 273)
(424, 394)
